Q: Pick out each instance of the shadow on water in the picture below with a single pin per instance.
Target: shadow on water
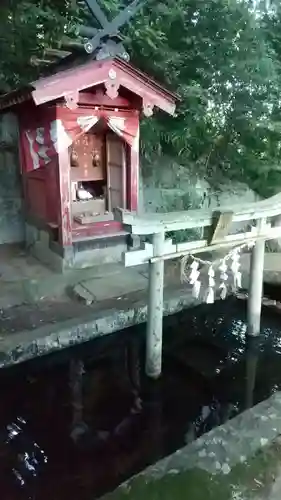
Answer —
(77, 423)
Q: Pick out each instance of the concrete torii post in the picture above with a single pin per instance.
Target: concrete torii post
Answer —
(256, 284)
(156, 225)
(154, 327)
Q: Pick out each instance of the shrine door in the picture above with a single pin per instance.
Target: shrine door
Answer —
(116, 172)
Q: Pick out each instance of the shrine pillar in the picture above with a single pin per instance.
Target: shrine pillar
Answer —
(64, 201)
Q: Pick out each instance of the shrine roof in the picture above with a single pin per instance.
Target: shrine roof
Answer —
(69, 82)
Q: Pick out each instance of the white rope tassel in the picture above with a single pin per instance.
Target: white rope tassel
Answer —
(193, 279)
(210, 295)
(194, 272)
(190, 272)
(223, 279)
(196, 289)
(235, 266)
(192, 276)
(238, 280)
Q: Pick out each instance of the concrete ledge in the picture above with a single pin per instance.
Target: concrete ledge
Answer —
(223, 464)
(232, 443)
(25, 345)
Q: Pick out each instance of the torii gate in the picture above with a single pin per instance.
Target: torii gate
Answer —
(218, 222)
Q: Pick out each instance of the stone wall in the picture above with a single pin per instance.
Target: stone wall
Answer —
(167, 186)
(11, 215)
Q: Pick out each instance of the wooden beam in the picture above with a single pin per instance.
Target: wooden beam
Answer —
(174, 221)
(171, 251)
(36, 61)
(210, 248)
(49, 51)
(94, 73)
(221, 226)
(268, 233)
(64, 202)
(202, 246)
(101, 99)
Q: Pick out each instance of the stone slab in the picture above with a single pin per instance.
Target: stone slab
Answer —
(83, 294)
(122, 283)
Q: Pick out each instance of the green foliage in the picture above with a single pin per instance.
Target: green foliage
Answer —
(27, 27)
(216, 55)
(222, 57)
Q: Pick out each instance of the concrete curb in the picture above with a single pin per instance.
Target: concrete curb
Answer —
(26, 345)
(231, 443)
(216, 453)
(22, 346)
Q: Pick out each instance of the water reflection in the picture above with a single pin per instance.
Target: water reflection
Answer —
(252, 358)
(78, 427)
(91, 421)
(26, 459)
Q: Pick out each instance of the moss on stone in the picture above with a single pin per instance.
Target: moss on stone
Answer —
(247, 481)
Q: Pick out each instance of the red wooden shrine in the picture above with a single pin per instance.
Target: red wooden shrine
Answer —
(79, 144)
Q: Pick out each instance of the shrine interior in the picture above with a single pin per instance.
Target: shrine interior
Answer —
(98, 176)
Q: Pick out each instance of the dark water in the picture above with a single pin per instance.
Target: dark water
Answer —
(76, 424)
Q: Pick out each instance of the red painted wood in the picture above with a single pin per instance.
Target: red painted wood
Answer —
(84, 147)
(101, 99)
(134, 180)
(88, 75)
(133, 171)
(64, 202)
(41, 186)
(95, 73)
(72, 80)
(39, 174)
(52, 202)
(34, 182)
(36, 201)
(53, 192)
(95, 229)
(114, 159)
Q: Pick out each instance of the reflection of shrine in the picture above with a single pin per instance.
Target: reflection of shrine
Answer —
(79, 138)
